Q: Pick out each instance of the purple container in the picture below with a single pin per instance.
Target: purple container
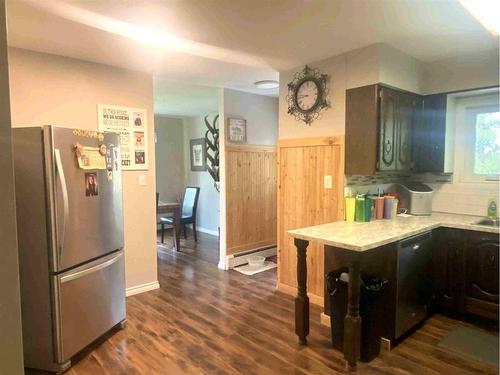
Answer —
(388, 203)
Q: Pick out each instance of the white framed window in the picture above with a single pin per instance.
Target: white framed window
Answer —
(482, 153)
(480, 139)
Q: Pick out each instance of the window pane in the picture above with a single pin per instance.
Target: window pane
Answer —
(487, 150)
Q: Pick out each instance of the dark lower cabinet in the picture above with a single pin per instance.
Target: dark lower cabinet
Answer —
(466, 272)
(449, 267)
(481, 278)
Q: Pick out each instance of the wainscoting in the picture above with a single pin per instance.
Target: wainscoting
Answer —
(250, 197)
(304, 201)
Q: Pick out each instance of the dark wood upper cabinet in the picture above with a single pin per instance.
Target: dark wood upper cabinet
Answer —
(409, 119)
(430, 136)
(388, 123)
(361, 133)
(380, 122)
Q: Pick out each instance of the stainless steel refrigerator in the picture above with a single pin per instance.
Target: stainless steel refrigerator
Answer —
(70, 234)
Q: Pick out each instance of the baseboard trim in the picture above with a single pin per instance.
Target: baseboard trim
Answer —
(325, 319)
(235, 260)
(142, 288)
(290, 290)
(222, 265)
(208, 231)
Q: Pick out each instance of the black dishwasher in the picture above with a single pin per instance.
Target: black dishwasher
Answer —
(414, 282)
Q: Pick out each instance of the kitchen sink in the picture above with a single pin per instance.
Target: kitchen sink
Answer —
(488, 222)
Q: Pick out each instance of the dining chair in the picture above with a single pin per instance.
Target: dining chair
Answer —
(158, 220)
(188, 216)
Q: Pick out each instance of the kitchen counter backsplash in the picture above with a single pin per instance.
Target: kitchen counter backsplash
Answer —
(392, 177)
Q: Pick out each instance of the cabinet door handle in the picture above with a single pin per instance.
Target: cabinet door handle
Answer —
(481, 293)
(416, 246)
(388, 148)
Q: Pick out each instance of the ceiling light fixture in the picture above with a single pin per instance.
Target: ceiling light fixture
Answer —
(486, 11)
(267, 84)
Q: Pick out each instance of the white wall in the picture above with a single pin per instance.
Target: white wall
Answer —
(400, 70)
(260, 113)
(353, 69)
(208, 203)
(48, 89)
(11, 348)
(169, 158)
(462, 73)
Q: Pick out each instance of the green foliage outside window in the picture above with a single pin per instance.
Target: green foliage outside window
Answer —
(487, 151)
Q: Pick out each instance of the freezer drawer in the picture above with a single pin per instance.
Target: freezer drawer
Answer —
(91, 301)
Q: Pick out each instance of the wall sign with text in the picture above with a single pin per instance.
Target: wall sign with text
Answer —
(236, 130)
(131, 124)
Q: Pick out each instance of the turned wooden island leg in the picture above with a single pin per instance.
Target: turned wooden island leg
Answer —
(301, 300)
(352, 321)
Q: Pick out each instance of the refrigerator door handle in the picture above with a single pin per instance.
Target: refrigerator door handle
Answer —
(81, 273)
(64, 190)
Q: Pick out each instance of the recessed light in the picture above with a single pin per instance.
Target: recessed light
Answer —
(267, 84)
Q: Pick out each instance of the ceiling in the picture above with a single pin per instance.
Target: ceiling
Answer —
(174, 99)
(227, 43)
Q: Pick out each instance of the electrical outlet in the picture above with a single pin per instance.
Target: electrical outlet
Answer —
(327, 182)
(142, 180)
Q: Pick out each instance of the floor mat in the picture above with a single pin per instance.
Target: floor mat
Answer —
(249, 270)
(474, 343)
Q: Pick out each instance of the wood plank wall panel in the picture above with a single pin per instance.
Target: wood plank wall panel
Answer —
(250, 197)
(303, 201)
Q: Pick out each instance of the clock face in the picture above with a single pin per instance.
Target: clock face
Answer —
(307, 95)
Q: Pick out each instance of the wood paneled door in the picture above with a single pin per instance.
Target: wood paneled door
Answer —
(250, 197)
(303, 200)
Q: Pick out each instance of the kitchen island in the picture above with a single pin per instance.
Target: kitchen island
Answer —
(356, 243)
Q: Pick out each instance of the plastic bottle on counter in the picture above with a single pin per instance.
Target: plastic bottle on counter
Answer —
(379, 208)
(388, 206)
(395, 208)
(350, 207)
(360, 208)
(370, 207)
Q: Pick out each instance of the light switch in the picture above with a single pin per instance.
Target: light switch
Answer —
(327, 181)
(142, 180)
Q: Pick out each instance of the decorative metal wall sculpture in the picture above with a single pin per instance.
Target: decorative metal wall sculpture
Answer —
(212, 144)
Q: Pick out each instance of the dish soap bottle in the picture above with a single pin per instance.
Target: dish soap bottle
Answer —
(492, 210)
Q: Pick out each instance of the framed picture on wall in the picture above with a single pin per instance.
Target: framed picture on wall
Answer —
(198, 154)
(236, 130)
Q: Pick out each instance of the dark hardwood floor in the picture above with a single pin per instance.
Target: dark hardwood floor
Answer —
(207, 247)
(207, 321)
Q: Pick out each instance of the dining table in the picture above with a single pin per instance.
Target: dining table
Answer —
(174, 209)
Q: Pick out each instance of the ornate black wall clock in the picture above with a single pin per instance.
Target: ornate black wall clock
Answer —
(307, 95)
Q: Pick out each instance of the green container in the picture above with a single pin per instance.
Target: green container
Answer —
(359, 216)
(369, 208)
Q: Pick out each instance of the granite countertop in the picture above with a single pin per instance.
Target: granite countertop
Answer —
(365, 236)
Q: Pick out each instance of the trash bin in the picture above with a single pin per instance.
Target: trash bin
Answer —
(371, 301)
